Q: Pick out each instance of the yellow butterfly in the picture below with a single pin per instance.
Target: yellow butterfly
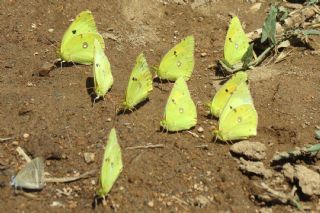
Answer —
(140, 84)
(239, 119)
(102, 75)
(178, 62)
(223, 95)
(180, 111)
(111, 165)
(236, 44)
(78, 41)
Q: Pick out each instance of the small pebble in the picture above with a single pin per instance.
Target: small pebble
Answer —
(93, 182)
(151, 203)
(109, 119)
(203, 54)
(15, 143)
(317, 134)
(200, 129)
(88, 157)
(50, 30)
(26, 135)
(201, 201)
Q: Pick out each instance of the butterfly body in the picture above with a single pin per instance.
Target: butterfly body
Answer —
(102, 75)
(180, 111)
(178, 62)
(78, 41)
(31, 176)
(140, 84)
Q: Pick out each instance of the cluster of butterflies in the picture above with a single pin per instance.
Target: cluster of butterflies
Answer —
(232, 104)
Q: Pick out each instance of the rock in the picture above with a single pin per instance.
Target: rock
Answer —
(255, 7)
(309, 180)
(201, 201)
(151, 203)
(253, 167)
(26, 135)
(88, 157)
(249, 150)
(288, 171)
(317, 134)
(203, 54)
(200, 129)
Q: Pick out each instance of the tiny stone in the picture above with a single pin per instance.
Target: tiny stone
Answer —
(93, 182)
(121, 188)
(203, 54)
(151, 203)
(210, 66)
(109, 119)
(50, 30)
(48, 163)
(15, 143)
(169, 203)
(26, 135)
(200, 129)
(88, 157)
(201, 201)
(317, 134)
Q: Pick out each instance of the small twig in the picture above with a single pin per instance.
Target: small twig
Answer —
(203, 146)
(283, 198)
(180, 200)
(23, 154)
(28, 195)
(71, 179)
(193, 134)
(149, 146)
(5, 139)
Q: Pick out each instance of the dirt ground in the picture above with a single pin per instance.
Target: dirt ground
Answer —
(62, 125)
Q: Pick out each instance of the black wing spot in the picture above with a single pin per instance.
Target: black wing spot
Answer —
(173, 101)
(175, 53)
(74, 31)
(134, 79)
(230, 39)
(227, 90)
(247, 81)
(97, 65)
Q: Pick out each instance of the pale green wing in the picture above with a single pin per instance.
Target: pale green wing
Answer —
(239, 97)
(236, 43)
(80, 49)
(180, 111)
(77, 41)
(178, 62)
(111, 165)
(140, 83)
(102, 75)
(221, 98)
(240, 123)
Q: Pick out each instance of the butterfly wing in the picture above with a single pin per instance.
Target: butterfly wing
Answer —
(102, 75)
(31, 176)
(111, 164)
(223, 95)
(180, 111)
(236, 43)
(80, 49)
(77, 41)
(239, 123)
(140, 83)
(179, 61)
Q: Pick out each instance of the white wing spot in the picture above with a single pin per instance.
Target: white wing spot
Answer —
(181, 110)
(85, 45)
(178, 63)
(239, 119)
